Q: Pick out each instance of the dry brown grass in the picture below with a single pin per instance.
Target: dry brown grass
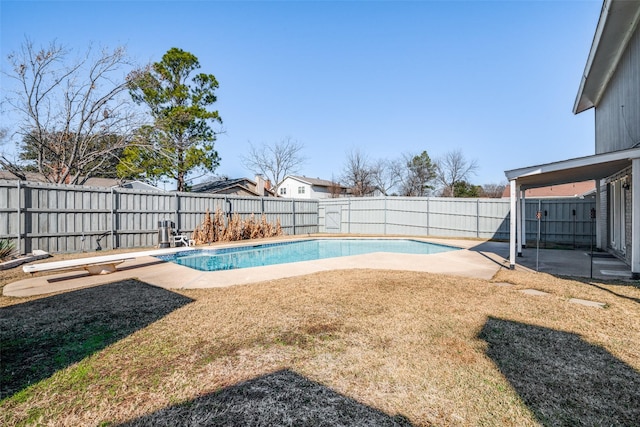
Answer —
(417, 348)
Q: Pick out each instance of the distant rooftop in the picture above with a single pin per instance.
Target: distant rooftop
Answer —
(573, 189)
(235, 186)
(316, 181)
(38, 177)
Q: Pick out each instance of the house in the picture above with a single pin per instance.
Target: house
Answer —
(577, 190)
(90, 182)
(238, 187)
(610, 84)
(139, 185)
(302, 187)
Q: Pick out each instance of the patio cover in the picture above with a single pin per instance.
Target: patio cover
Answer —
(598, 166)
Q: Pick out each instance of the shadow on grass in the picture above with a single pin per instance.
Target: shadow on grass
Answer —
(636, 300)
(40, 337)
(563, 379)
(282, 398)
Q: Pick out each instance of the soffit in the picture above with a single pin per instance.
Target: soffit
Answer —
(617, 23)
(598, 166)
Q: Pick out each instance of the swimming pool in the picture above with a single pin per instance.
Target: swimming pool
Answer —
(305, 250)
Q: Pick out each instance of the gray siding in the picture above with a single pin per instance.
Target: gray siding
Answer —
(616, 130)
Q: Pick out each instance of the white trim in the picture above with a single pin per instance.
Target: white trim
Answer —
(573, 170)
(616, 25)
(512, 224)
(522, 213)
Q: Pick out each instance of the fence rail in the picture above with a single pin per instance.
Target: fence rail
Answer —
(67, 218)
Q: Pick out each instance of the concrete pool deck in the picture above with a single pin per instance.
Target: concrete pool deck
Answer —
(467, 262)
(476, 259)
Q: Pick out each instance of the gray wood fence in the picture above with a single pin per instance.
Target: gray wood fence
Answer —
(564, 222)
(68, 218)
(65, 218)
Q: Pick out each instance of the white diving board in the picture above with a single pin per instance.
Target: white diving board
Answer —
(96, 265)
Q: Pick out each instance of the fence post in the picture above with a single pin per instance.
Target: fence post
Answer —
(19, 245)
(293, 211)
(349, 216)
(385, 215)
(113, 219)
(428, 214)
(177, 212)
(478, 218)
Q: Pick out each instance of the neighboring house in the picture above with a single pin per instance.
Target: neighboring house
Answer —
(578, 190)
(139, 185)
(611, 85)
(91, 182)
(237, 187)
(302, 187)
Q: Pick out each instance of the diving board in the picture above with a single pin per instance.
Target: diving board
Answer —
(96, 265)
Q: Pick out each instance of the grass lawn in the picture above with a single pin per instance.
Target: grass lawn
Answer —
(358, 347)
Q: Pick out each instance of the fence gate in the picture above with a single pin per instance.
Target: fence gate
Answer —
(333, 219)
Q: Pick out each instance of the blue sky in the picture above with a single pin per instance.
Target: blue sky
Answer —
(495, 79)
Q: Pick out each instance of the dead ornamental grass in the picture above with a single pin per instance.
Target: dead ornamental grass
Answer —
(224, 228)
(417, 348)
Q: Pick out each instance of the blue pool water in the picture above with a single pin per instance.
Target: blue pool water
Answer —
(285, 252)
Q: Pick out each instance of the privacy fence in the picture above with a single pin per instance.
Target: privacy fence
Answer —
(563, 222)
(63, 218)
(66, 218)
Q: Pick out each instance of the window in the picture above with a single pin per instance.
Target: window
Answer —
(301, 190)
(283, 191)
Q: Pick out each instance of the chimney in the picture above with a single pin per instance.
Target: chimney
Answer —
(260, 185)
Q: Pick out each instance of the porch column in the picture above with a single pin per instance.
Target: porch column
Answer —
(512, 224)
(635, 218)
(596, 222)
(522, 214)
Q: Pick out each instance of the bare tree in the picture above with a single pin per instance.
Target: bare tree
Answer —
(335, 189)
(275, 161)
(493, 190)
(358, 174)
(452, 168)
(75, 116)
(387, 174)
(7, 163)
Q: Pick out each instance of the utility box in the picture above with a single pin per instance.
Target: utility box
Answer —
(165, 231)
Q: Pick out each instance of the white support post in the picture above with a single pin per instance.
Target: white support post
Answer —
(512, 224)
(522, 232)
(596, 222)
(635, 219)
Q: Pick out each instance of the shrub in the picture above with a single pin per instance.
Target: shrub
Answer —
(7, 249)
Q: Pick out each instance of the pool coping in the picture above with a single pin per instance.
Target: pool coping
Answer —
(234, 249)
(168, 275)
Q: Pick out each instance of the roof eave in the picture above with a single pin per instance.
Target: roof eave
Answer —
(573, 170)
(617, 23)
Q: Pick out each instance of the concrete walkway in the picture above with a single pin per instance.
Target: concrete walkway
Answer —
(475, 259)
(575, 263)
(480, 263)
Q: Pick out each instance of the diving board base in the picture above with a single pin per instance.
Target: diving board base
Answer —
(106, 268)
